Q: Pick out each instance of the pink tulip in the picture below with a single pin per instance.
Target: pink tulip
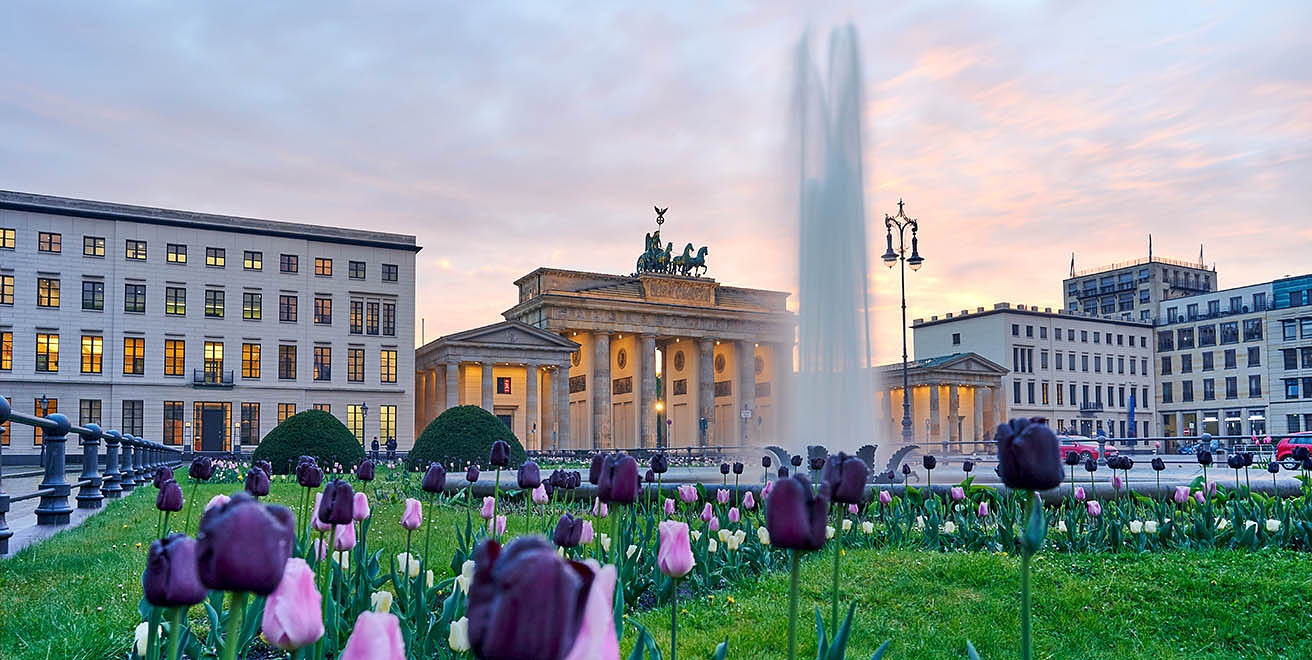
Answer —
(707, 513)
(599, 508)
(722, 496)
(345, 539)
(377, 636)
(734, 516)
(1211, 488)
(1181, 494)
(320, 548)
(489, 505)
(1117, 483)
(596, 638)
(885, 497)
(1095, 509)
(587, 535)
(983, 511)
(318, 525)
(1079, 494)
(361, 507)
(687, 493)
(714, 524)
(217, 500)
(1157, 444)
(291, 614)
(540, 494)
(1266, 440)
(957, 493)
(413, 516)
(765, 492)
(500, 528)
(853, 509)
(669, 506)
(674, 556)
(1199, 497)
(749, 502)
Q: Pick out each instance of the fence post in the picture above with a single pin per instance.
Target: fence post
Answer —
(54, 508)
(139, 470)
(128, 480)
(89, 495)
(110, 488)
(5, 532)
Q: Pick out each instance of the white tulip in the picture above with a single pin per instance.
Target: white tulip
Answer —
(829, 531)
(458, 640)
(1150, 526)
(949, 527)
(408, 564)
(847, 525)
(868, 527)
(1136, 526)
(380, 601)
(1272, 525)
(763, 535)
(712, 546)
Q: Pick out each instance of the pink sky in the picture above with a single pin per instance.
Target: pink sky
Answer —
(507, 138)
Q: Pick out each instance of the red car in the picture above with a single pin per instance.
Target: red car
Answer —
(1082, 446)
(1285, 448)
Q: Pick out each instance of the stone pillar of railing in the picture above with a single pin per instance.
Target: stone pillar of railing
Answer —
(110, 486)
(54, 508)
(89, 495)
(139, 469)
(128, 478)
(5, 532)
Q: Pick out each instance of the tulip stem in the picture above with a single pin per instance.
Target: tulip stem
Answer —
(1026, 650)
(164, 528)
(496, 494)
(177, 617)
(792, 606)
(674, 619)
(838, 553)
(236, 617)
(152, 634)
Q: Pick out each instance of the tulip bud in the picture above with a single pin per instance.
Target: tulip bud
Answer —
(660, 464)
(885, 497)
(360, 508)
(957, 493)
(1181, 494)
(707, 513)
(471, 475)
(338, 503)
(540, 494)
(734, 515)
(365, 471)
(817, 463)
(243, 545)
(489, 506)
(967, 466)
(1158, 464)
(749, 501)
(1273, 467)
(309, 475)
(796, 460)
(381, 601)
(1072, 458)
(1079, 494)
(162, 475)
(766, 462)
(594, 472)
(1200, 497)
(458, 638)
(500, 454)
(529, 476)
(588, 535)
(737, 468)
(169, 497)
(170, 578)
(413, 515)
(1090, 465)
(906, 469)
(569, 532)
(674, 556)
(1248, 458)
(1234, 461)
(983, 511)
(1204, 457)
(795, 515)
(292, 619)
(202, 468)
(1028, 455)
(497, 527)
(407, 565)
(618, 482)
(687, 493)
(599, 508)
(650, 476)
(782, 472)
(217, 500)
(266, 466)
(434, 479)
(722, 496)
(377, 636)
(669, 506)
(257, 482)
(845, 476)
(929, 462)
(1095, 508)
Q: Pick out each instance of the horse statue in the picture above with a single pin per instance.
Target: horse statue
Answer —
(664, 260)
(681, 263)
(699, 262)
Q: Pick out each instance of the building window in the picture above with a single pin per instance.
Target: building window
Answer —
(1209, 361)
(6, 289)
(1230, 332)
(1185, 338)
(1254, 356)
(1291, 421)
(47, 292)
(1070, 362)
(250, 423)
(1289, 330)
(357, 317)
(1167, 392)
(175, 301)
(323, 363)
(251, 305)
(1207, 335)
(1015, 392)
(136, 251)
(285, 410)
(289, 263)
(47, 352)
(390, 272)
(8, 238)
(323, 311)
(956, 339)
(213, 362)
(355, 421)
(355, 270)
(1029, 331)
(1165, 340)
(387, 366)
(134, 356)
(323, 267)
(49, 242)
(324, 407)
(93, 295)
(1291, 388)
(89, 412)
(1044, 390)
(287, 309)
(134, 298)
(1253, 330)
(389, 321)
(133, 417)
(1015, 331)
(216, 257)
(93, 246)
(51, 407)
(175, 357)
(93, 349)
(387, 421)
(1043, 360)
(1209, 389)
(355, 365)
(6, 351)
(287, 361)
(252, 260)
(1186, 364)
(1232, 387)
(1290, 356)
(250, 361)
(173, 422)
(1084, 363)
(1231, 359)
(174, 253)
(1187, 390)
(371, 318)
(213, 303)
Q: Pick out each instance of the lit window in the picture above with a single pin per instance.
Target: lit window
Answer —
(92, 354)
(49, 242)
(216, 257)
(134, 355)
(252, 260)
(323, 267)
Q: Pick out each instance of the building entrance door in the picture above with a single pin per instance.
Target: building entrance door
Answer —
(212, 427)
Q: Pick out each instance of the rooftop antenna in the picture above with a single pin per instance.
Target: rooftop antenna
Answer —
(1150, 248)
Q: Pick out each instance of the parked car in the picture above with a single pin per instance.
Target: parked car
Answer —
(1285, 448)
(1083, 446)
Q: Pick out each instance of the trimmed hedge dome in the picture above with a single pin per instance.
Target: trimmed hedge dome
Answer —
(462, 436)
(309, 433)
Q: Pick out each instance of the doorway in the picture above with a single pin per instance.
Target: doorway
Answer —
(212, 420)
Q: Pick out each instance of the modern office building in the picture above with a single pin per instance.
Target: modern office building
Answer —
(1085, 374)
(1211, 362)
(1134, 290)
(1289, 358)
(198, 329)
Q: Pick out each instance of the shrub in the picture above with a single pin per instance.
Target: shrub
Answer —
(309, 433)
(462, 436)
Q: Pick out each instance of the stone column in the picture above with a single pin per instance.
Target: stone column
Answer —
(601, 409)
(89, 496)
(487, 385)
(439, 396)
(54, 508)
(421, 411)
(935, 424)
(744, 354)
(954, 413)
(978, 410)
(705, 391)
(646, 390)
(531, 375)
(452, 384)
(998, 412)
(560, 385)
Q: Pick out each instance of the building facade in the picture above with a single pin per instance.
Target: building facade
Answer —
(1289, 361)
(956, 399)
(1084, 374)
(197, 329)
(1134, 290)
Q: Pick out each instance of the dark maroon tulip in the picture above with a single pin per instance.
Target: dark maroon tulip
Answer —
(594, 472)
(170, 578)
(906, 469)
(500, 454)
(202, 468)
(1273, 467)
(817, 463)
(766, 462)
(266, 466)
(306, 459)
(162, 475)
(1307, 463)
(795, 516)
(782, 472)
(1029, 457)
(558, 479)
(651, 476)
(1204, 457)
(724, 468)
(257, 482)
(660, 464)
(1300, 452)
(471, 475)
(619, 480)
(548, 487)
(525, 603)
(365, 471)
(737, 468)
(575, 480)
(968, 466)
(434, 478)
(846, 478)
(929, 462)
(1235, 461)
(1090, 465)
(529, 475)
(796, 460)
(1248, 458)
(568, 531)
(1158, 464)
(243, 545)
(309, 475)
(338, 503)
(169, 497)
(1073, 458)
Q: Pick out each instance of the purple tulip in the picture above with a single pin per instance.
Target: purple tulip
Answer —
(169, 497)
(594, 472)
(795, 516)
(434, 479)
(738, 468)
(853, 509)
(489, 507)
(1117, 483)
(660, 464)
(500, 454)
(345, 538)
(599, 508)
(796, 460)
(266, 466)
(569, 531)
(983, 510)
(650, 477)
(309, 475)
(734, 515)
(1199, 497)
(817, 463)
(885, 497)
(957, 493)
(674, 555)
(707, 513)
(722, 496)
(338, 503)
(1095, 508)
(846, 478)
(217, 500)
(360, 507)
(365, 471)
(376, 636)
(162, 475)
(292, 617)
(315, 523)
(413, 515)
(619, 480)
(724, 468)
(1181, 494)
(766, 462)
(257, 482)
(540, 495)
(170, 578)
(243, 545)
(713, 524)
(588, 534)
(687, 493)
(669, 506)
(1029, 457)
(471, 475)
(202, 468)
(529, 475)
(749, 501)
(782, 472)
(1079, 494)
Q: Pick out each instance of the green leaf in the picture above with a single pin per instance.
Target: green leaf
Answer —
(883, 648)
(721, 650)
(970, 651)
(619, 610)
(838, 647)
(1036, 529)
(821, 643)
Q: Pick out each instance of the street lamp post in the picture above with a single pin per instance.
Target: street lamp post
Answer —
(902, 222)
(364, 412)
